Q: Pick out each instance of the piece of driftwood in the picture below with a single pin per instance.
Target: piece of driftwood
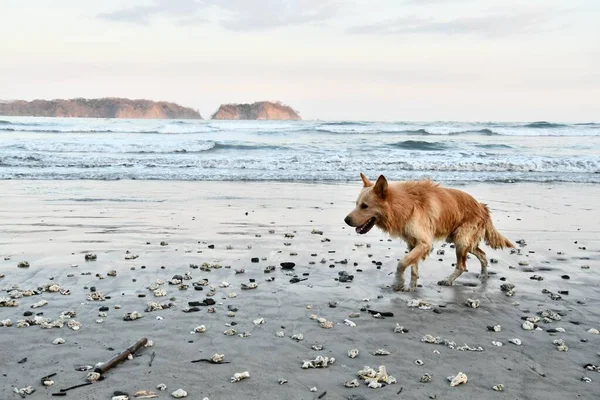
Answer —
(208, 360)
(75, 387)
(113, 362)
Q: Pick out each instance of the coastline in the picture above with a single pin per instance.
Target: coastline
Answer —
(52, 224)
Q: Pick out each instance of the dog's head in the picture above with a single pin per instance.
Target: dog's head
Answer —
(370, 205)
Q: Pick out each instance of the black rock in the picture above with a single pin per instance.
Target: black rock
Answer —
(252, 280)
(566, 277)
(93, 289)
(232, 308)
(233, 323)
(564, 292)
(211, 246)
(296, 280)
(103, 308)
(209, 302)
(140, 295)
(120, 393)
(196, 303)
(198, 288)
(27, 314)
(178, 277)
(287, 265)
(255, 259)
(345, 277)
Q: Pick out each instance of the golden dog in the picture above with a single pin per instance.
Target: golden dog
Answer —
(420, 212)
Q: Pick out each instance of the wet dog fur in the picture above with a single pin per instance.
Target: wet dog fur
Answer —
(420, 212)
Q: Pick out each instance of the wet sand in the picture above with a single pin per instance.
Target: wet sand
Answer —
(52, 225)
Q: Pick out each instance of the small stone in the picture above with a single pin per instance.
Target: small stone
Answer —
(528, 326)
(313, 389)
(179, 393)
(594, 331)
(515, 341)
(381, 352)
(472, 303)
(352, 384)
(162, 387)
(425, 378)
(498, 388)
(238, 376)
(353, 353)
(459, 379)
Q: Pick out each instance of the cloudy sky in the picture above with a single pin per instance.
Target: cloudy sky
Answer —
(508, 60)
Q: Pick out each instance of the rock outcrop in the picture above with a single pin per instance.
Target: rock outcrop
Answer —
(98, 108)
(262, 110)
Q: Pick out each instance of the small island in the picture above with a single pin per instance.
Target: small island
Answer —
(262, 110)
(110, 107)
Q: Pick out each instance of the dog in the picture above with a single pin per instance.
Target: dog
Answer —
(420, 212)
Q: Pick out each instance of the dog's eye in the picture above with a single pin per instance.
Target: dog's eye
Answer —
(363, 206)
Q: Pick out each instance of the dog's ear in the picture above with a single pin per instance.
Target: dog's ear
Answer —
(381, 187)
(366, 181)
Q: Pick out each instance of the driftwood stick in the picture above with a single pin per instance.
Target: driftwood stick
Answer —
(75, 387)
(113, 362)
(207, 360)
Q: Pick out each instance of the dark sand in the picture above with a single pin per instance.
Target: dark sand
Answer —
(52, 225)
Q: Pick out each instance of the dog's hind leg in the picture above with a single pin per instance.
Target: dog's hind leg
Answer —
(419, 252)
(461, 266)
(480, 254)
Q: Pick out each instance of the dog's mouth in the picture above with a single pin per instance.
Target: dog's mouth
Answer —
(361, 230)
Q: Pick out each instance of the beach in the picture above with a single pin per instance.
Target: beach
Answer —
(53, 225)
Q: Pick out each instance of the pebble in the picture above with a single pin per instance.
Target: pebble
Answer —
(425, 378)
(528, 326)
(381, 352)
(179, 393)
(472, 303)
(459, 379)
(353, 353)
(594, 331)
(498, 388)
(515, 341)
(162, 387)
(352, 384)
(239, 376)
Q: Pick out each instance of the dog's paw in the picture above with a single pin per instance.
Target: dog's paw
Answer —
(408, 289)
(445, 283)
(483, 277)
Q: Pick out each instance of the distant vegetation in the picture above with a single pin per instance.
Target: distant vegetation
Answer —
(98, 108)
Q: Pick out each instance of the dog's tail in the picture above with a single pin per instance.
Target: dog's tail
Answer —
(493, 238)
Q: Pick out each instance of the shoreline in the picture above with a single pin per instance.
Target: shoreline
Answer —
(53, 224)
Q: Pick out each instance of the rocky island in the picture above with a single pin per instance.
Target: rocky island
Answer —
(97, 108)
(262, 110)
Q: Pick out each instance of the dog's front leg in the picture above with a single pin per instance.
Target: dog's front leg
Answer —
(418, 253)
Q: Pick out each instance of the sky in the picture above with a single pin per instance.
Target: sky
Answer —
(378, 60)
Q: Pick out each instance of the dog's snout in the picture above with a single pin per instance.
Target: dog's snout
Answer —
(348, 220)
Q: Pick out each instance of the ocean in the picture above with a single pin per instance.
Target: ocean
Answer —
(307, 151)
